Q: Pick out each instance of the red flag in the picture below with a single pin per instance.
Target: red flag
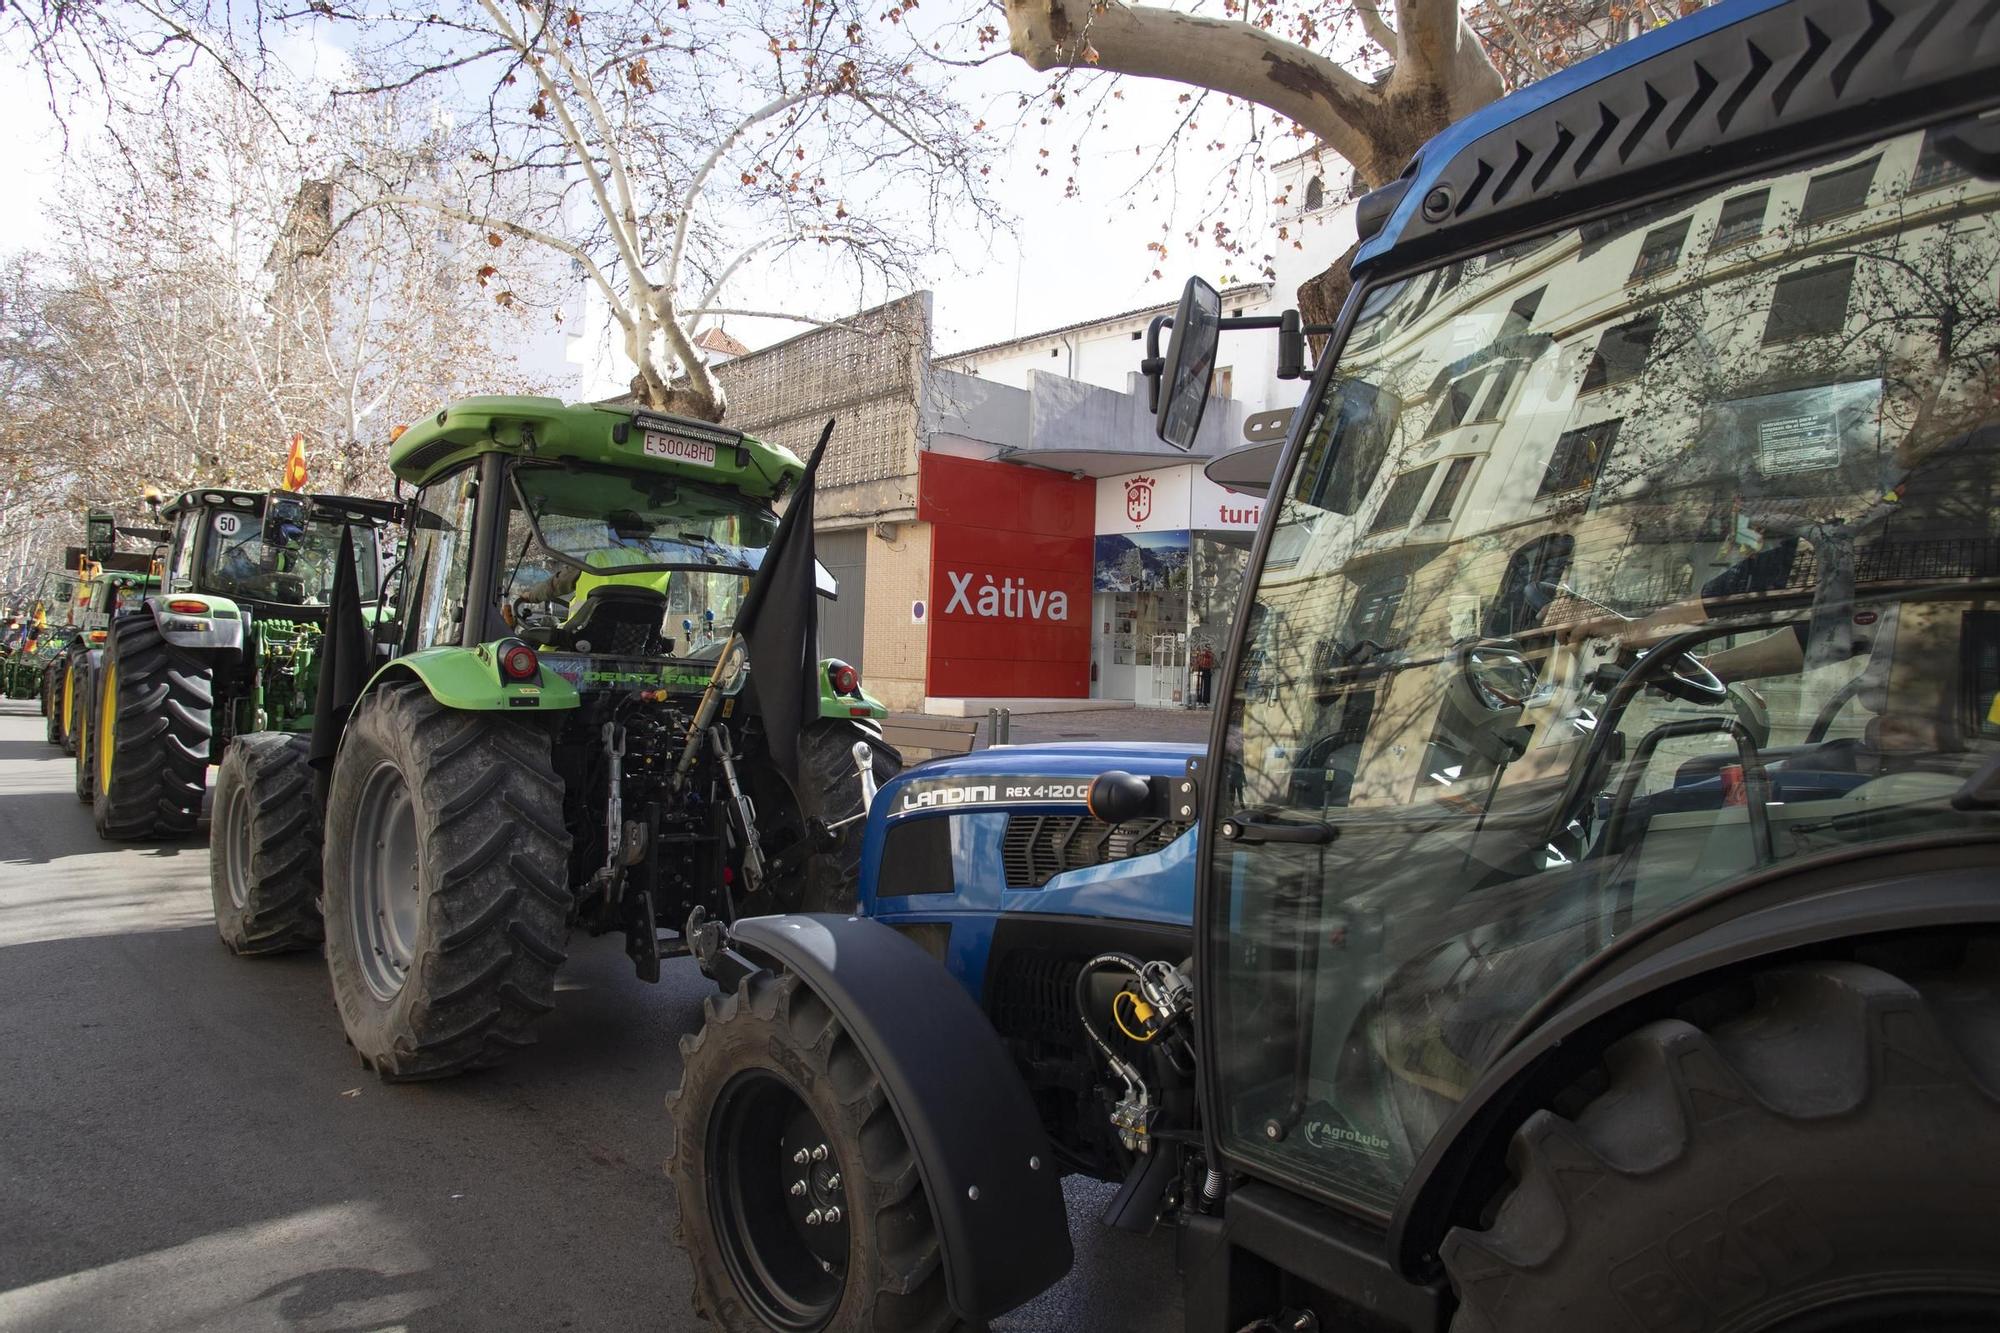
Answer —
(295, 466)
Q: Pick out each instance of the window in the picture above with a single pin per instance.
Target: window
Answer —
(1742, 221)
(1400, 505)
(1447, 497)
(1455, 407)
(180, 574)
(1496, 395)
(1837, 192)
(1135, 335)
(1661, 250)
(1315, 194)
(1521, 315)
(439, 552)
(1579, 459)
(1225, 382)
(1810, 304)
(1934, 169)
(1621, 354)
(1523, 593)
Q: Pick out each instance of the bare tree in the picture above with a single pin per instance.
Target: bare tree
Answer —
(664, 156)
(1371, 86)
(198, 311)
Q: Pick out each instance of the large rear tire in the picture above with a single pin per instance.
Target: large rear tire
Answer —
(264, 840)
(831, 879)
(66, 706)
(446, 884)
(150, 734)
(772, 1074)
(1823, 1160)
(81, 707)
(52, 704)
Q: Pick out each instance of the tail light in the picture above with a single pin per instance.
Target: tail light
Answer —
(187, 606)
(846, 680)
(518, 662)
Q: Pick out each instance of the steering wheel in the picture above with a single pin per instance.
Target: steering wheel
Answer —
(1683, 676)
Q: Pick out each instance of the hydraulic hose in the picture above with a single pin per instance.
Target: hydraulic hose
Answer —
(1118, 1065)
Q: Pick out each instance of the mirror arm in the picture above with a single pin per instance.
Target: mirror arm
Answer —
(1154, 364)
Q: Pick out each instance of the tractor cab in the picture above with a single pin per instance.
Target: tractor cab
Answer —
(275, 551)
(621, 543)
(1628, 571)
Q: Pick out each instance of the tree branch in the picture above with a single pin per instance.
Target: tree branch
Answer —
(1229, 56)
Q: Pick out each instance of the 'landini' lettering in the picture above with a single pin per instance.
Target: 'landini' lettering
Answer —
(1009, 599)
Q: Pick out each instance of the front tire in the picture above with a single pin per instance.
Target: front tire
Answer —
(1823, 1160)
(773, 1073)
(264, 862)
(446, 883)
(151, 731)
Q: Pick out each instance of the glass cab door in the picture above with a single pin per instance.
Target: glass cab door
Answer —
(1609, 569)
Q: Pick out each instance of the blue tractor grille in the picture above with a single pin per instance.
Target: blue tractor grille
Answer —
(1037, 848)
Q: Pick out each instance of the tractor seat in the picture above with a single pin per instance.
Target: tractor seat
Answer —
(622, 621)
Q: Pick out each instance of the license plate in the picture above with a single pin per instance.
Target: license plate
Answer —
(698, 452)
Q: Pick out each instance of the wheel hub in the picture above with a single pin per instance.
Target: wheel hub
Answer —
(384, 902)
(236, 847)
(779, 1202)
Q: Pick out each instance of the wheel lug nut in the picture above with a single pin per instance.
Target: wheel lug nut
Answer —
(833, 1181)
(798, 1189)
(813, 1218)
(819, 1153)
(833, 1215)
(801, 1157)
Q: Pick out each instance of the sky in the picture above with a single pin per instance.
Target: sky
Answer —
(1064, 259)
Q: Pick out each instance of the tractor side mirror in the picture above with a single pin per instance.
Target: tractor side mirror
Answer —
(1117, 797)
(1189, 367)
(284, 522)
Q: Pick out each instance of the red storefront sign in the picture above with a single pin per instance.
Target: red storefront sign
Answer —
(1010, 578)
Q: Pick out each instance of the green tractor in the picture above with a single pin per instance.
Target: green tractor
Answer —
(107, 579)
(558, 733)
(216, 663)
(37, 639)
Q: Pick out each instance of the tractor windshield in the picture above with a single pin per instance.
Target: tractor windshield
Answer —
(289, 560)
(1615, 568)
(576, 530)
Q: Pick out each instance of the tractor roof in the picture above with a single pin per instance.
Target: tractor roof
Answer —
(354, 506)
(631, 439)
(1735, 87)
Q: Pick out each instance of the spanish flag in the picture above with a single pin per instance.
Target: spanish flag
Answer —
(295, 466)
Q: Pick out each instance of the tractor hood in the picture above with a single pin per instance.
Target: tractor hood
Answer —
(1016, 776)
(1006, 832)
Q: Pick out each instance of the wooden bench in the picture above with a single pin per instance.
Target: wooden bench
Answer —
(920, 736)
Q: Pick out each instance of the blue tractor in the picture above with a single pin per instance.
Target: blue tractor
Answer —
(1004, 894)
(1597, 883)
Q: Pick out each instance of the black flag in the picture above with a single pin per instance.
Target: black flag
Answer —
(779, 622)
(346, 660)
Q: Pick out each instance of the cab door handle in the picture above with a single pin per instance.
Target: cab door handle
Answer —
(1244, 826)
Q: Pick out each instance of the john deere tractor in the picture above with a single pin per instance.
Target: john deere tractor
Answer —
(106, 579)
(559, 733)
(217, 664)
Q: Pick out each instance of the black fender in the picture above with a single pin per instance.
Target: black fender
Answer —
(1923, 885)
(985, 1161)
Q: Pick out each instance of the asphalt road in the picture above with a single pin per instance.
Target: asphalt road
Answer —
(186, 1142)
